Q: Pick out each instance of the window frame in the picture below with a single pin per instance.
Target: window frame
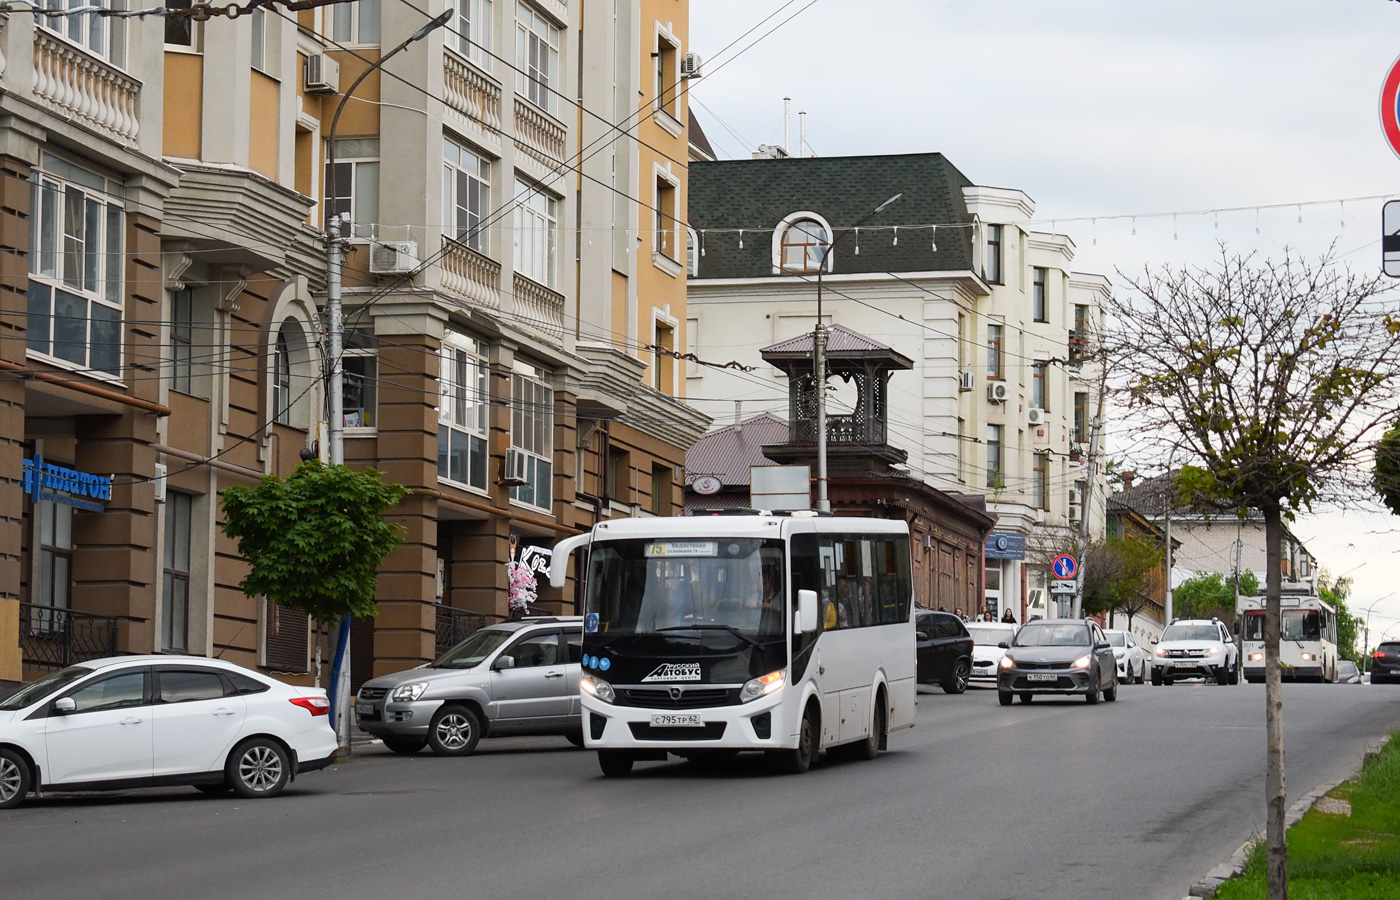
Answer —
(78, 30)
(994, 257)
(282, 379)
(362, 199)
(259, 55)
(179, 521)
(472, 31)
(535, 81)
(995, 446)
(1080, 425)
(809, 267)
(196, 29)
(532, 431)
(51, 551)
(665, 238)
(667, 53)
(456, 176)
(536, 229)
(354, 32)
(1040, 385)
(995, 338)
(360, 346)
(1040, 479)
(464, 405)
(182, 341)
(1040, 306)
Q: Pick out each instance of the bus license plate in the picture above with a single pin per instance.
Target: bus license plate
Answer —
(1042, 676)
(671, 720)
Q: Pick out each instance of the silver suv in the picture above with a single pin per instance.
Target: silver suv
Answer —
(511, 678)
(1195, 648)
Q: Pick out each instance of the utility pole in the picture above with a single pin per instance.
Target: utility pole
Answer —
(1095, 424)
(1167, 508)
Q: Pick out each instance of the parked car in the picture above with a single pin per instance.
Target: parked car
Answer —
(1132, 660)
(1385, 663)
(148, 721)
(1196, 648)
(944, 650)
(517, 677)
(1347, 672)
(1058, 656)
(987, 638)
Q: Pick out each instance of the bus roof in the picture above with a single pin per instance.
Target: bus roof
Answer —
(742, 526)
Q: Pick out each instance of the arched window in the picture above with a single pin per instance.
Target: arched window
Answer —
(282, 380)
(692, 253)
(802, 244)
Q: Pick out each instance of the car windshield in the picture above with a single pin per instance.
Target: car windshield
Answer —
(49, 684)
(1051, 635)
(1186, 632)
(473, 650)
(988, 636)
(1346, 668)
(1388, 649)
(716, 584)
(1117, 639)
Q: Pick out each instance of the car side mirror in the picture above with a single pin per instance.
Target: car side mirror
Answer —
(806, 612)
(504, 662)
(1103, 645)
(1005, 645)
(65, 705)
(920, 636)
(1154, 642)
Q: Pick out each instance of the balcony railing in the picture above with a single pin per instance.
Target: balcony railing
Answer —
(74, 84)
(456, 625)
(52, 638)
(470, 275)
(471, 93)
(840, 430)
(540, 134)
(1076, 346)
(538, 308)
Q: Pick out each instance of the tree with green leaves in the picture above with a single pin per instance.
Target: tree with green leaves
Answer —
(1347, 624)
(1274, 378)
(1208, 595)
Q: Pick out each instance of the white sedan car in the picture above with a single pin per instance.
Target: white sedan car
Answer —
(150, 721)
(985, 652)
(1133, 661)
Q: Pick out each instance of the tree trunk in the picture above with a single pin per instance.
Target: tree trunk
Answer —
(1275, 795)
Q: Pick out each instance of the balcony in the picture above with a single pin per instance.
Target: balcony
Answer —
(1076, 346)
(841, 430)
(538, 308)
(540, 134)
(51, 638)
(471, 93)
(470, 275)
(79, 86)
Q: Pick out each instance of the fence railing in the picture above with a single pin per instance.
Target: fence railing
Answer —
(456, 625)
(51, 638)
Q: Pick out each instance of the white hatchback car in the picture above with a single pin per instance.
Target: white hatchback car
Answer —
(1133, 661)
(986, 636)
(150, 721)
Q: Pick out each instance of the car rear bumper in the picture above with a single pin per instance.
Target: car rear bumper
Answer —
(315, 765)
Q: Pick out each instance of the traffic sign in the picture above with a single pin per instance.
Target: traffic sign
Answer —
(1390, 238)
(1064, 566)
(1063, 587)
(1390, 113)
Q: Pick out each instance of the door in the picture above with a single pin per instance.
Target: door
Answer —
(107, 736)
(1108, 666)
(197, 718)
(927, 647)
(535, 688)
(573, 668)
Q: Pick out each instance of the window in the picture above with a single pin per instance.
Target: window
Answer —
(663, 360)
(115, 692)
(75, 277)
(286, 635)
(466, 195)
(473, 27)
(1040, 481)
(1038, 304)
(994, 254)
(804, 245)
(692, 253)
(182, 31)
(536, 218)
(260, 54)
(692, 346)
(1039, 397)
(994, 333)
(359, 363)
(619, 475)
(1081, 418)
(464, 400)
(1080, 332)
(55, 554)
(103, 36)
(189, 686)
(282, 380)
(536, 57)
(665, 219)
(354, 23)
(667, 82)
(532, 430)
(860, 580)
(354, 185)
(660, 490)
(175, 604)
(181, 340)
(994, 475)
(538, 650)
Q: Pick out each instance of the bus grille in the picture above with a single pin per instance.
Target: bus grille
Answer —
(712, 731)
(690, 698)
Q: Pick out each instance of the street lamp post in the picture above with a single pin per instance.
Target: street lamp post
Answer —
(819, 357)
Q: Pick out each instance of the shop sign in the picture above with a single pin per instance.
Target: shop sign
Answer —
(537, 559)
(46, 481)
(1005, 545)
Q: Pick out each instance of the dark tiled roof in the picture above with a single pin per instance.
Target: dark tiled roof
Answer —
(697, 135)
(758, 193)
(841, 342)
(728, 452)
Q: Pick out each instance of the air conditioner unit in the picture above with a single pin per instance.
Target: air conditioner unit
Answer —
(513, 469)
(690, 65)
(997, 391)
(393, 257)
(965, 381)
(1035, 416)
(1073, 497)
(322, 74)
(158, 482)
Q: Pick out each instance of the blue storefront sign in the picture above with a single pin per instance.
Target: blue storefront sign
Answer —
(1005, 545)
(46, 481)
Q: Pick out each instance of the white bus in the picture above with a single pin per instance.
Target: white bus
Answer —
(724, 633)
(1308, 637)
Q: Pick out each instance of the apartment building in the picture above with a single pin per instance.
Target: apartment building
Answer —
(952, 275)
(167, 183)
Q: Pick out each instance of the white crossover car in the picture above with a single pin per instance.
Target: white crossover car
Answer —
(150, 721)
(985, 652)
(1195, 648)
(1133, 661)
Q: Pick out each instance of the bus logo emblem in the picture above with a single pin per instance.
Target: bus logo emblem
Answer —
(675, 672)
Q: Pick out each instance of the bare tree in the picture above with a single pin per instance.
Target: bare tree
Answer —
(1276, 378)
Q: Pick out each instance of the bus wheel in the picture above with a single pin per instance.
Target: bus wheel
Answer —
(614, 764)
(870, 747)
(800, 759)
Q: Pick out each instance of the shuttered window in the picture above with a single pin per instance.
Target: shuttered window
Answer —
(285, 636)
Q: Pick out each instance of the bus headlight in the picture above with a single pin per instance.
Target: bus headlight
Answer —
(597, 687)
(761, 686)
(1308, 657)
(1256, 657)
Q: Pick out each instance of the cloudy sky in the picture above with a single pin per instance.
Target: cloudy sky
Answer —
(1251, 121)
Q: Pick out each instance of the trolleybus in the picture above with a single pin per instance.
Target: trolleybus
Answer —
(1308, 637)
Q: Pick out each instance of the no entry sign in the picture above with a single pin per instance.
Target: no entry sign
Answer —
(1390, 114)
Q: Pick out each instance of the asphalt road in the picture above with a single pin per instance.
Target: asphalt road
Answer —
(1054, 800)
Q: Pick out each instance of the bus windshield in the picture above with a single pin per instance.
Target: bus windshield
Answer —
(1301, 625)
(649, 586)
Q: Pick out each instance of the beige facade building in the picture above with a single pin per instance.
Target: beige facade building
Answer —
(512, 268)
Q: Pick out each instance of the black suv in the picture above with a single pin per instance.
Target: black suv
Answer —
(944, 649)
(1385, 663)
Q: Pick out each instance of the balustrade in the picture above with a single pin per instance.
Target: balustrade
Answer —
(471, 93)
(470, 275)
(540, 134)
(70, 81)
(538, 308)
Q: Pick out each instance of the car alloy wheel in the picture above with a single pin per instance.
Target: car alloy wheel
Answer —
(958, 678)
(258, 767)
(454, 731)
(14, 779)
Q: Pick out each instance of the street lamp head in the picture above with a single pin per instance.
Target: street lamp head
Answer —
(888, 203)
(436, 22)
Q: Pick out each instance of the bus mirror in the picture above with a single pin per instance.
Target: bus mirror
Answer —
(1237, 626)
(806, 612)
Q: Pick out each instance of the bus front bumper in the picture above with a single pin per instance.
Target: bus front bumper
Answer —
(757, 725)
(1255, 673)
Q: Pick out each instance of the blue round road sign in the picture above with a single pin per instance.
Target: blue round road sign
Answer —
(1064, 567)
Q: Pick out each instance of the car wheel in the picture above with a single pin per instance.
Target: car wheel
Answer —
(614, 763)
(800, 758)
(1156, 677)
(1093, 695)
(405, 746)
(213, 789)
(1222, 675)
(1111, 692)
(454, 731)
(575, 737)
(1004, 697)
(870, 747)
(1142, 674)
(1235, 673)
(258, 768)
(1026, 698)
(957, 679)
(1167, 680)
(15, 778)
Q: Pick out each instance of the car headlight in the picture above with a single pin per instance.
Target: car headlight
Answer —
(761, 686)
(410, 692)
(1008, 663)
(1213, 651)
(1162, 653)
(597, 687)
(1081, 663)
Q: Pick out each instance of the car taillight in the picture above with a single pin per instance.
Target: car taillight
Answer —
(1379, 655)
(317, 706)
